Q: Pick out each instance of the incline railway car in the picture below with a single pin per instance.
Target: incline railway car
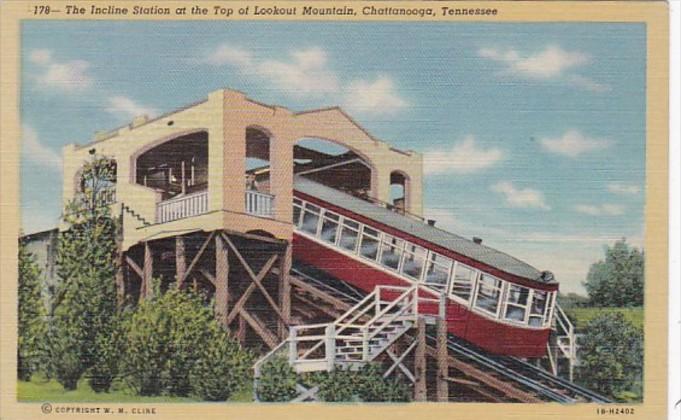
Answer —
(494, 301)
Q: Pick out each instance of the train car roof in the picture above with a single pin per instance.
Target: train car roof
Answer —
(455, 243)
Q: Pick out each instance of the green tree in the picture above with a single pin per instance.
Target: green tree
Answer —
(85, 301)
(617, 280)
(31, 326)
(611, 357)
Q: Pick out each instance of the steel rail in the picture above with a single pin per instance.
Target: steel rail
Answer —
(499, 364)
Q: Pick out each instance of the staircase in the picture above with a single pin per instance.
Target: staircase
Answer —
(562, 344)
(355, 338)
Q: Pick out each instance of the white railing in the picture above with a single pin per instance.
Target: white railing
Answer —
(259, 203)
(359, 335)
(566, 340)
(181, 207)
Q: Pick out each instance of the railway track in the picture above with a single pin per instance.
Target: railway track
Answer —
(509, 369)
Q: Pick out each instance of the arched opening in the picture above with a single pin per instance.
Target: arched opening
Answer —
(399, 186)
(176, 167)
(257, 160)
(333, 165)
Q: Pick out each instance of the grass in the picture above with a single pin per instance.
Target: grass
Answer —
(39, 389)
(581, 316)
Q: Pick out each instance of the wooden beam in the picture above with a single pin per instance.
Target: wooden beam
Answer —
(241, 332)
(249, 290)
(252, 236)
(221, 281)
(208, 275)
(254, 278)
(148, 271)
(398, 362)
(420, 390)
(462, 381)
(337, 303)
(488, 379)
(196, 259)
(180, 259)
(285, 292)
(442, 358)
(267, 336)
(136, 268)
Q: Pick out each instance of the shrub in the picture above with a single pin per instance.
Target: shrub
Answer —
(221, 369)
(164, 337)
(277, 382)
(375, 388)
(366, 384)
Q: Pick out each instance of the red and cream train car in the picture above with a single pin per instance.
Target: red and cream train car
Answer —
(494, 301)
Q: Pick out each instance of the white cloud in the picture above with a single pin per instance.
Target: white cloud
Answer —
(128, 108)
(67, 76)
(464, 157)
(553, 62)
(520, 198)
(227, 54)
(623, 189)
(601, 210)
(37, 152)
(306, 73)
(573, 143)
(41, 56)
(377, 97)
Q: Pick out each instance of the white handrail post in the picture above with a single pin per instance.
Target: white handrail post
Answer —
(377, 301)
(442, 307)
(416, 301)
(365, 344)
(330, 337)
(292, 346)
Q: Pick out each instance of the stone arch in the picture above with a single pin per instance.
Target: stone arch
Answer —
(400, 190)
(153, 144)
(174, 165)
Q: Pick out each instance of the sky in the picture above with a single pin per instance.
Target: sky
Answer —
(533, 135)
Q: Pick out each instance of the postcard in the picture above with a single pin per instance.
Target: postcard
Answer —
(299, 209)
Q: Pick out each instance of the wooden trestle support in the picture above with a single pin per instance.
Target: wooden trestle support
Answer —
(257, 300)
(244, 273)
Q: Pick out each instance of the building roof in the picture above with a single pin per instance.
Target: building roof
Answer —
(455, 243)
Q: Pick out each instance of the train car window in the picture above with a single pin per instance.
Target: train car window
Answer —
(368, 247)
(349, 235)
(516, 303)
(538, 308)
(310, 219)
(464, 279)
(437, 271)
(391, 251)
(297, 209)
(329, 227)
(413, 259)
(489, 292)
